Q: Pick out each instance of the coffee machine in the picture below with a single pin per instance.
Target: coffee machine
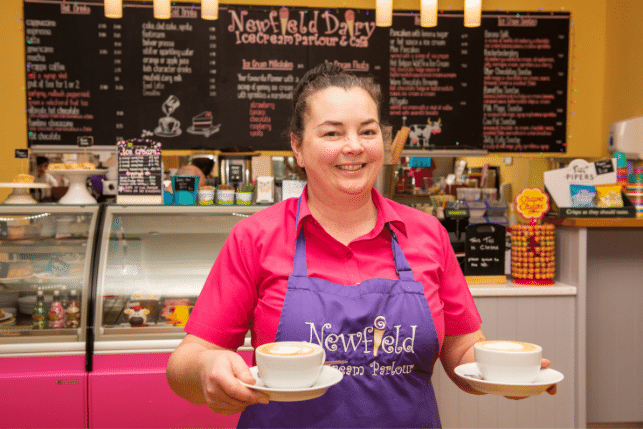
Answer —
(235, 168)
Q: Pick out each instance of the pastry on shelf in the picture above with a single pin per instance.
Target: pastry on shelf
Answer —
(24, 178)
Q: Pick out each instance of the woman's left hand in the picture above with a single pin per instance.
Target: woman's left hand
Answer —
(551, 389)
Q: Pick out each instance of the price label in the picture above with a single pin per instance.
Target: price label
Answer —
(184, 183)
(604, 166)
(85, 141)
(22, 153)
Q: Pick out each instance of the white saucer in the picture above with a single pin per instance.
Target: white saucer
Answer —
(547, 377)
(329, 376)
(6, 316)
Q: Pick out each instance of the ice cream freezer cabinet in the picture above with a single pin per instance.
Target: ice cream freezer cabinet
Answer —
(152, 263)
(47, 248)
(137, 270)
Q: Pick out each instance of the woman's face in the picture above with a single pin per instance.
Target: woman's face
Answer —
(342, 147)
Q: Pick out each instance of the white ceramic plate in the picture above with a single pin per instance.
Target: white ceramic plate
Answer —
(6, 316)
(25, 185)
(329, 377)
(547, 377)
(14, 280)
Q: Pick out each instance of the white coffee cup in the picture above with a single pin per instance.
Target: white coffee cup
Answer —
(290, 364)
(508, 361)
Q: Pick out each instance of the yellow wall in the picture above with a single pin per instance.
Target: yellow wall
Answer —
(623, 62)
(596, 95)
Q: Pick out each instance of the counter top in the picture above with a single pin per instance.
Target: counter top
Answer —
(596, 222)
(511, 289)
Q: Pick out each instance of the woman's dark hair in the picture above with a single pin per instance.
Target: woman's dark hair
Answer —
(204, 164)
(42, 160)
(324, 76)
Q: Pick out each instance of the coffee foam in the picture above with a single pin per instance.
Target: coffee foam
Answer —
(286, 349)
(509, 346)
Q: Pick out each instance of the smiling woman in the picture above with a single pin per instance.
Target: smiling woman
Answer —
(375, 283)
(337, 138)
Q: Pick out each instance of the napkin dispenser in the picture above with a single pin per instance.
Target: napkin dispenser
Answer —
(627, 137)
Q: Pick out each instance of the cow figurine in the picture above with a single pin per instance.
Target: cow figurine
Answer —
(421, 134)
(137, 316)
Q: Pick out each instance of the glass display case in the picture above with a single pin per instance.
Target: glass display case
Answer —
(153, 263)
(48, 248)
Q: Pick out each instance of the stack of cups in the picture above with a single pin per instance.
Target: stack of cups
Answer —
(621, 168)
(635, 190)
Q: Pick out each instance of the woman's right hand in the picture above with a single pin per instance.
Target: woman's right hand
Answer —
(222, 392)
(204, 373)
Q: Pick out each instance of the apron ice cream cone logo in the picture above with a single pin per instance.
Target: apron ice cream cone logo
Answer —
(283, 19)
(349, 17)
(378, 333)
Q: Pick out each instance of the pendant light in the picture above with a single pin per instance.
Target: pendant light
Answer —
(472, 13)
(210, 9)
(162, 9)
(113, 8)
(429, 13)
(384, 13)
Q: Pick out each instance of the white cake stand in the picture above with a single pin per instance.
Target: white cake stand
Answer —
(20, 194)
(77, 192)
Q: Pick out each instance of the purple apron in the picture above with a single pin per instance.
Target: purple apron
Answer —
(384, 385)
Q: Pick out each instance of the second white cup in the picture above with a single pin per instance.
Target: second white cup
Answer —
(512, 362)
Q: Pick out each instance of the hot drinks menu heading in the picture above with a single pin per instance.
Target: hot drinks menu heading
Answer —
(196, 84)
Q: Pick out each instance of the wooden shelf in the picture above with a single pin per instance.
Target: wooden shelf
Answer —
(596, 222)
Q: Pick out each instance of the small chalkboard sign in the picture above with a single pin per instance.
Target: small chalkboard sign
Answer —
(85, 141)
(139, 172)
(485, 250)
(604, 166)
(4, 230)
(184, 183)
(4, 270)
(22, 153)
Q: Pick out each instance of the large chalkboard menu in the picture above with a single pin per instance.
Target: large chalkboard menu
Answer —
(190, 83)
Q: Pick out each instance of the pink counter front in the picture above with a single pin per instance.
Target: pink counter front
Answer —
(131, 390)
(43, 392)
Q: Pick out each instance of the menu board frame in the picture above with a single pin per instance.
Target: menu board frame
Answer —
(186, 82)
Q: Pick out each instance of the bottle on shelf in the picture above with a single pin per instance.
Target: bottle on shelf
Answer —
(64, 297)
(56, 314)
(73, 310)
(39, 313)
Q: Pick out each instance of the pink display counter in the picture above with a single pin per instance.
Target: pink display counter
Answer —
(131, 390)
(43, 392)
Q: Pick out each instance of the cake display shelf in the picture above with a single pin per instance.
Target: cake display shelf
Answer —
(20, 194)
(77, 192)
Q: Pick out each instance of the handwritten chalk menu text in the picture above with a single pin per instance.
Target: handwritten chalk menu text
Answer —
(434, 83)
(139, 167)
(525, 83)
(191, 83)
(484, 253)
